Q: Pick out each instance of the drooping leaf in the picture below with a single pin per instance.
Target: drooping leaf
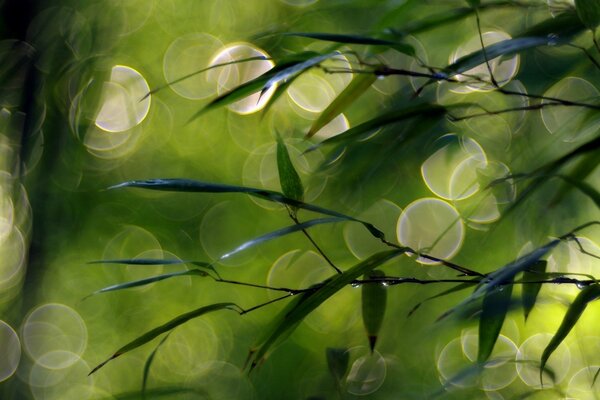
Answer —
(589, 13)
(337, 362)
(374, 301)
(390, 117)
(166, 327)
(148, 365)
(584, 188)
(148, 281)
(530, 291)
(289, 318)
(356, 39)
(359, 84)
(293, 70)
(504, 274)
(493, 312)
(188, 185)
(290, 182)
(587, 294)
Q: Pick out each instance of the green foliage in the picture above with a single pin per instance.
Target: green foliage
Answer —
(589, 12)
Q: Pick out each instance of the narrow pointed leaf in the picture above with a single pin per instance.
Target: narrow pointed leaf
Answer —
(583, 168)
(589, 12)
(288, 320)
(293, 70)
(290, 182)
(474, 3)
(337, 362)
(530, 291)
(493, 312)
(188, 185)
(390, 117)
(148, 364)
(355, 39)
(359, 84)
(374, 299)
(148, 281)
(163, 392)
(584, 188)
(587, 294)
(457, 288)
(504, 274)
(175, 322)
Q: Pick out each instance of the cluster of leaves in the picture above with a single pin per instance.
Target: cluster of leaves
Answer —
(492, 296)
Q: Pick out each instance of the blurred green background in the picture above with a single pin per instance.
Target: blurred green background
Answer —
(72, 124)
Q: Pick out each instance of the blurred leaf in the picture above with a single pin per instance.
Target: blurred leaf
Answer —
(493, 312)
(530, 291)
(474, 3)
(397, 115)
(583, 168)
(288, 319)
(589, 12)
(359, 84)
(374, 299)
(584, 187)
(148, 364)
(295, 69)
(587, 294)
(167, 392)
(175, 322)
(356, 39)
(337, 361)
(147, 281)
(188, 185)
(290, 182)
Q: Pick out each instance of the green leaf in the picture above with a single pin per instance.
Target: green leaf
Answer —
(457, 288)
(530, 291)
(175, 322)
(290, 182)
(188, 185)
(359, 84)
(582, 169)
(583, 187)
(163, 392)
(296, 69)
(147, 281)
(355, 39)
(337, 361)
(374, 299)
(474, 3)
(289, 318)
(493, 312)
(148, 364)
(589, 13)
(390, 117)
(587, 294)
(504, 274)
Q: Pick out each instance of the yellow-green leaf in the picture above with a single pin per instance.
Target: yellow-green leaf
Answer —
(290, 182)
(353, 91)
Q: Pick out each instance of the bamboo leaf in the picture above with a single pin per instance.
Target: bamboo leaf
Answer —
(530, 291)
(337, 361)
(148, 364)
(359, 84)
(504, 274)
(589, 12)
(493, 312)
(374, 299)
(397, 115)
(278, 233)
(290, 182)
(587, 294)
(163, 392)
(583, 168)
(295, 69)
(290, 317)
(584, 187)
(474, 3)
(355, 39)
(457, 288)
(147, 281)
(188, 185)
(175, 322)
